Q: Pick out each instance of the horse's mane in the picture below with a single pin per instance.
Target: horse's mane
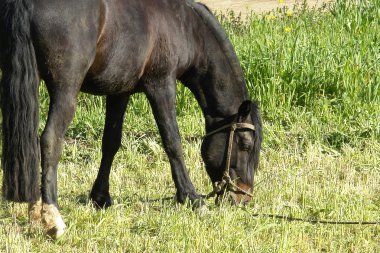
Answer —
(220, 35)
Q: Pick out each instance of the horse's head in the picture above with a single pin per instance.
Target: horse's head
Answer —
(231, 153)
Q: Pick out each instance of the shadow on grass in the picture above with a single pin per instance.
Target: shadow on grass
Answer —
(84, 199)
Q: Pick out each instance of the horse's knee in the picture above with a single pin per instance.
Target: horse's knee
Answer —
(173, 147)
(111, 145)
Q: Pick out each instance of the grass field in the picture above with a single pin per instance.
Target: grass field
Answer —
(317, 75)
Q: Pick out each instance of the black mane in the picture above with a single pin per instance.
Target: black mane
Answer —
(220, 35)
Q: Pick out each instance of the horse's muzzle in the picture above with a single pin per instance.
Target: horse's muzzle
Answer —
(235, 196)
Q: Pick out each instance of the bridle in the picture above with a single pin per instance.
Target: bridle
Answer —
(227, 182)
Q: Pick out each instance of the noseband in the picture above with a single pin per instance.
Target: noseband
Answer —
(227, 181)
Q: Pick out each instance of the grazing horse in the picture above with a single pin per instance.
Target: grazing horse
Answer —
(116, 48)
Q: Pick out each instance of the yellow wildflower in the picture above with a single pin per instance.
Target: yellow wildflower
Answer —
(288, 29)
(289, 13)
(280, 1)
(270, 17)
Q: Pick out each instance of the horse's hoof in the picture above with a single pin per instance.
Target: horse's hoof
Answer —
(101, 201)
(57, 231)
(52, 221)
(197, 203)
(102, 204)
(193, 199)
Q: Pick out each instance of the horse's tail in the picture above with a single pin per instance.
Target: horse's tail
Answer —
(19, 103)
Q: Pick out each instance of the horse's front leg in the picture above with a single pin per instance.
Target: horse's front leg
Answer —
(162, 97)
(115, 109)
(61, 112)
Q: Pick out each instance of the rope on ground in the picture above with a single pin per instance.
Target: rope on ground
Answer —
(287, 218)
(316, 221)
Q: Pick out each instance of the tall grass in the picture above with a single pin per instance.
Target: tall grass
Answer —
(316, 73)
(323, 64)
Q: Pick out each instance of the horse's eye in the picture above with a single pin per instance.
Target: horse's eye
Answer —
(244, 147)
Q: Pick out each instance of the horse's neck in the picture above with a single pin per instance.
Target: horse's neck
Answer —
(215, 77)
(218, 84)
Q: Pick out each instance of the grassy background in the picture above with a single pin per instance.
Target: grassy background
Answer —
(316, 73)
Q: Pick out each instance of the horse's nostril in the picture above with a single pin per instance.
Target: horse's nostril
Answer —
(233, 198)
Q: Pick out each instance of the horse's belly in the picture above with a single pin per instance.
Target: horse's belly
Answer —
(117, 68)
(104, 84)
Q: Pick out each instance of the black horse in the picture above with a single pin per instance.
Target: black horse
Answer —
(117, 48)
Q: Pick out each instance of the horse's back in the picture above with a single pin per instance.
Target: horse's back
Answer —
(140, 41)
(114, 43)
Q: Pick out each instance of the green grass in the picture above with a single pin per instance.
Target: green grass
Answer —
(316, 74)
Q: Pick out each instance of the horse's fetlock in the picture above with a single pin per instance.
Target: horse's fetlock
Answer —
(34, 213)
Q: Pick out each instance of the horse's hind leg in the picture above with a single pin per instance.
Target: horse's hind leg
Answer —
(162, 97)
(61, 112)
(115, 109)
(63, 97)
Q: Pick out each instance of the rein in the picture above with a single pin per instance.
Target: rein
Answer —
(227, 182)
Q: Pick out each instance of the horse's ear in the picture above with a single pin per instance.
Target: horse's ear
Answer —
(244, 110)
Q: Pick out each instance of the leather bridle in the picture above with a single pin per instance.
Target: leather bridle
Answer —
(227, 182)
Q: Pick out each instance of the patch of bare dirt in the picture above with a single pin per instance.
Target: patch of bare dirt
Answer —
(259, 6)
